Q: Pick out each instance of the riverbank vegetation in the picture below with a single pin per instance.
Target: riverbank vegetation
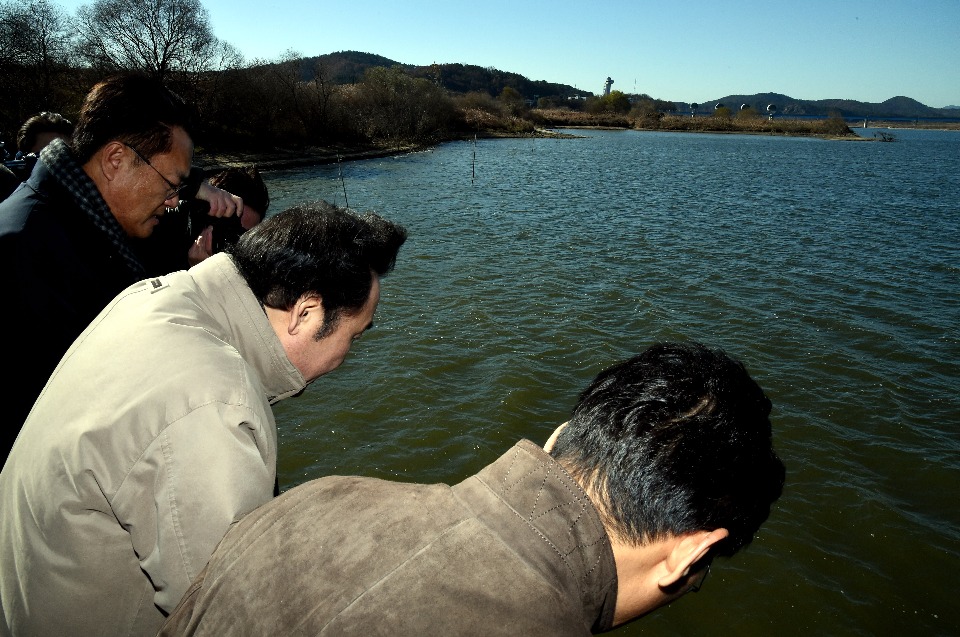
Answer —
(745, 121)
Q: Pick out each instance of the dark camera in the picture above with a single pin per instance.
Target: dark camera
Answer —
(226, 230)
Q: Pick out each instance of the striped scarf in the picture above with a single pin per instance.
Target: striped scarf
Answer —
(58, 159)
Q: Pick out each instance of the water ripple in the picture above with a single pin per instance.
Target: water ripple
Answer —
(830, 268)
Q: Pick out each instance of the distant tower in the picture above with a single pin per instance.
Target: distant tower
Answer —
(607, 85)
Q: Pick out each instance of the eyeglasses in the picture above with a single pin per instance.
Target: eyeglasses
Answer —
(174, 188)
(701, 577)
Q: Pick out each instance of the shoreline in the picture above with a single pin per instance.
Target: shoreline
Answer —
(892, 125)
(212, 161)
(280, 159)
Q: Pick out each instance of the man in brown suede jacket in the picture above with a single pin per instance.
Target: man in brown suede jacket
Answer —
(666, 463)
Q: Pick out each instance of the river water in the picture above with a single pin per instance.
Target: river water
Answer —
(830, 268)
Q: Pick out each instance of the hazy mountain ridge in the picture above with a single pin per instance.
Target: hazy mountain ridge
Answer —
(347, 67)
(898, 107)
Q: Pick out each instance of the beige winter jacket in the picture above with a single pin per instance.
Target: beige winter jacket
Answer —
(153, 434)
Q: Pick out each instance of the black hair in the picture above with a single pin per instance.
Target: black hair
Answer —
(130, 108)
(45, 122)
(675, 440)
(317, 248)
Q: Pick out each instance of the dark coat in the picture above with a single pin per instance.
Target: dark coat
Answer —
(57, 271)
(517, 549)
(8, 182)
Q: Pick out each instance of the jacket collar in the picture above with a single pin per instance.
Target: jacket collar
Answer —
(551, 522)
(57, 159)
(247, 328)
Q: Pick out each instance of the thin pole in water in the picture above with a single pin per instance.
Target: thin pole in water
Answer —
(473, 167)
(343, 184)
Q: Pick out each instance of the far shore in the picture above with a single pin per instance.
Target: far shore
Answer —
(212, 161)
(915, 124)
(280, 159)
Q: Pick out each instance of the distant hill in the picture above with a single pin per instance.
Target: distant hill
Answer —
(348, 67)
(467, 78)
(345, 67)
(895, 107)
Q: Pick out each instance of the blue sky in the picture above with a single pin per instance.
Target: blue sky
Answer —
(687, 50)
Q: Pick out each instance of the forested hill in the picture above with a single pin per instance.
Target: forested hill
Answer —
(345, 67)
(348, 67)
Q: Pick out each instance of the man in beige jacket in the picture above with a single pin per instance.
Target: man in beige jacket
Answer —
(155, 431)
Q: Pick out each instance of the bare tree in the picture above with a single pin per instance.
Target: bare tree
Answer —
(392, 107)
(35, 47)
(162, 38)
(307, 89)
(35, 33)
(224, 57)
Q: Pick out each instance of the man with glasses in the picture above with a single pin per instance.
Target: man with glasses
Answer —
(666, 463)
(67, 233)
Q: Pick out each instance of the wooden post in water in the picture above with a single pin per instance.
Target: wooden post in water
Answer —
(343, 184)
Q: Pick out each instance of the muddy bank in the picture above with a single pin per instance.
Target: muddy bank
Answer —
(277, 159)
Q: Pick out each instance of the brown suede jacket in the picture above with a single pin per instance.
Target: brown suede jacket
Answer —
(517, 549)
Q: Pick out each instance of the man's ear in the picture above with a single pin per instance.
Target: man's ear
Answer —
(552, 440)
(111, 158)
(306, 313)
(687, 551)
